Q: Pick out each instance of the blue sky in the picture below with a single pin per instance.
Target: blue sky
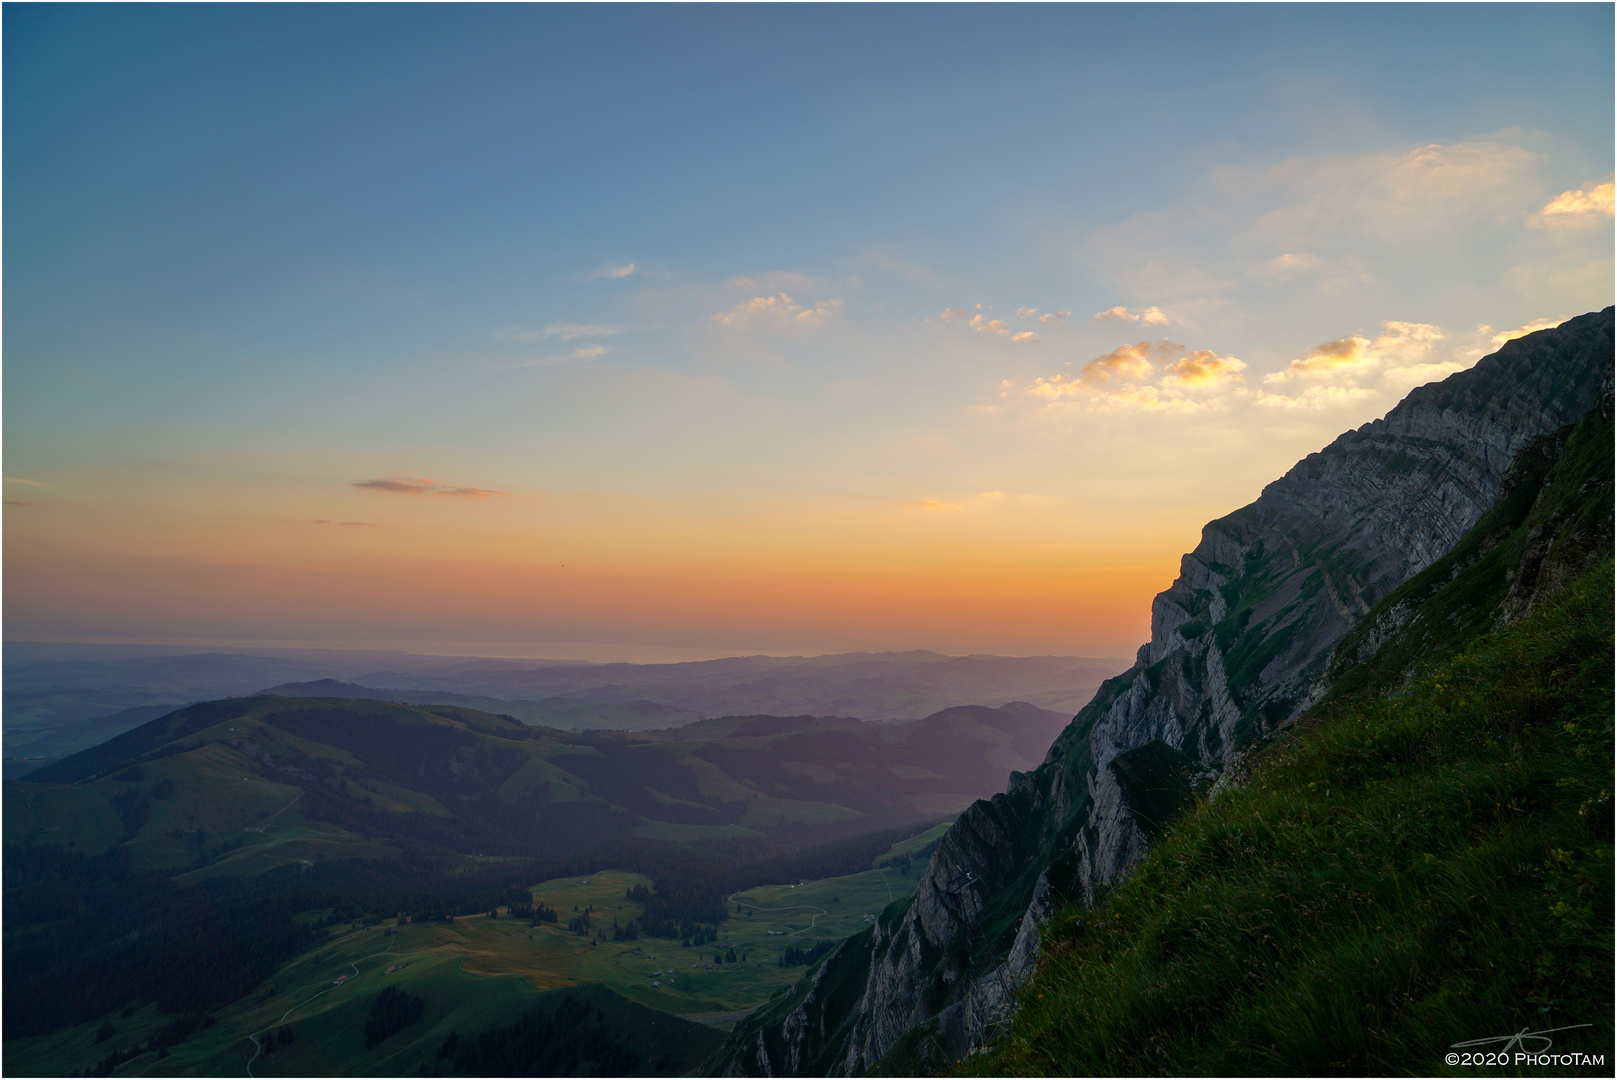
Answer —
(716, 301)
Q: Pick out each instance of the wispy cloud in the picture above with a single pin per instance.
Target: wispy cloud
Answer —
(583, 354)
(610, 272)
(1285, 266)
(1151, 316)
(398, 485)
(1055, 316)
(982, 324)
(910, 270)
(779, 310)
(568, 331)
(25, 483)
(564, 331)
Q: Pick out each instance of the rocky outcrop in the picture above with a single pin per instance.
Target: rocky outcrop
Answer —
(1239, 646)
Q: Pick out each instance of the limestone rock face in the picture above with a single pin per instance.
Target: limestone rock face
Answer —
(1239, 646)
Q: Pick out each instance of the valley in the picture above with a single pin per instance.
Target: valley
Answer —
(477, 972)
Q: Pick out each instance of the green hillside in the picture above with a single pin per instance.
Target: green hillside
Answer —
(246, 785)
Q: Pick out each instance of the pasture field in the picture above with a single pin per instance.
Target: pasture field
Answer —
(477, 973)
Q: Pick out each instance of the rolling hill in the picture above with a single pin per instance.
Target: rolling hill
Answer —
(247, 784)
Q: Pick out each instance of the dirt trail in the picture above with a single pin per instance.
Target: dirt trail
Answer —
(258, 1048)
(265, 827)
(798, 907)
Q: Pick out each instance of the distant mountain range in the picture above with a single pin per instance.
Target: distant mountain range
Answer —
(55, 706)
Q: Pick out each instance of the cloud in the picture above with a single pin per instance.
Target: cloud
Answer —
(1202, 370)
(1124, 362)
(25, 483)
(1026, 312)
(1151, 316)
(1581, 206)
(1189, 381)
(1055, 316)
(982, 324)
(913, 271)
(774, 281)
(610, 272)
(1285, 267)
(780, 310)
(569, 331)
(583, 354)
(933, 504)
(1521, 331)
(565, 331)
(1398, 195)
(1328, 223)
(1400, 345)
(820, 313)
(423, 485)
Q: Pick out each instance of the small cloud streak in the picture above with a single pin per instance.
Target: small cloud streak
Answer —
(780, 310)
(1151, 316)
(610, 272)
(1055, 316)
(564, 331)
(584, 354)
(1577, 207)
(25, 483)
(422, 486)
(933, 504)
(1026, 312)
(982, 324)
(1283, 268)
(571, 331)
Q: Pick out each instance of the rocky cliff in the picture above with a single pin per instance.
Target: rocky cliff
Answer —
(1239, 646)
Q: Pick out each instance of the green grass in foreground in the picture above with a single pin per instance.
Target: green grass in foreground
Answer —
(1394, 875)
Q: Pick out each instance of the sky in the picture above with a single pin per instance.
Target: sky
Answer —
(624, 332)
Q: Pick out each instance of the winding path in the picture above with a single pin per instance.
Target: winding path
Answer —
(798, 907)
(265, 827)
(258, 1048)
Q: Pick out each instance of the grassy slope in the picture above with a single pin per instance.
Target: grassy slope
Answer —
(430, 961)
(228, 810)
(1397, 874)
(478, 973)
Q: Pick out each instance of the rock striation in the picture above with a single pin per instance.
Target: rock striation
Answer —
(1240, 645)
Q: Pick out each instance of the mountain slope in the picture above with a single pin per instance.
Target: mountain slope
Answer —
(1240, 645)
(1424, 862)
(248, 783)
